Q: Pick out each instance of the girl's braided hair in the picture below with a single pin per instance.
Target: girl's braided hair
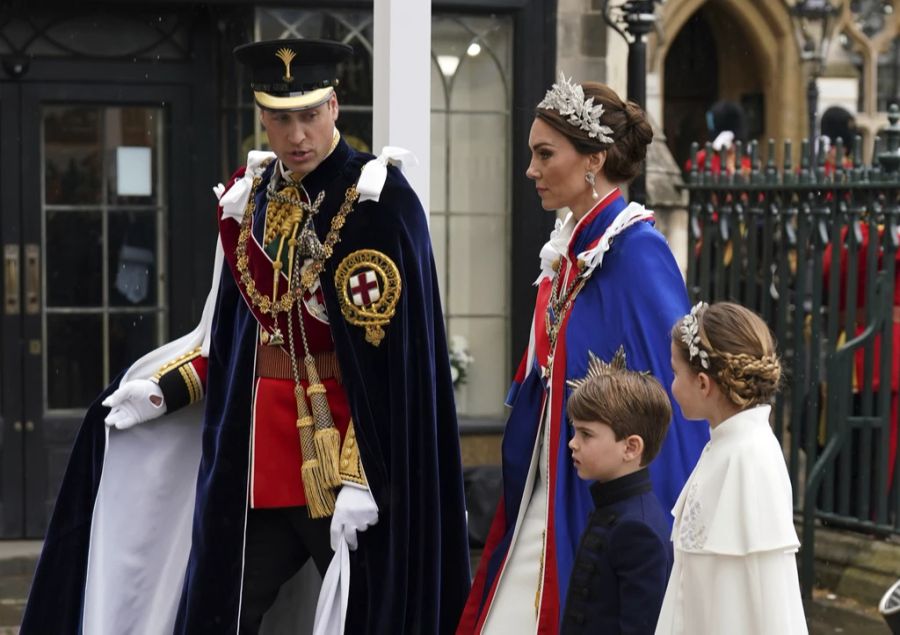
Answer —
(739, 352)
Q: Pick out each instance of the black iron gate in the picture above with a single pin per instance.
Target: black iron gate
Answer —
(813, 249)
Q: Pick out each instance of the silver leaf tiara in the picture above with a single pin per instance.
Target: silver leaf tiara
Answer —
(567, 98)
(690, 334)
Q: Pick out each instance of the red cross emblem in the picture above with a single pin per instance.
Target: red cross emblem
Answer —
(364, 288)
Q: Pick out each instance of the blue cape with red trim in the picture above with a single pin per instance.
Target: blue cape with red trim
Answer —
(632, 300)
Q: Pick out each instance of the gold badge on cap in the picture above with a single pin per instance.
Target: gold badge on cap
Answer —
(368, 286)
(286, 55)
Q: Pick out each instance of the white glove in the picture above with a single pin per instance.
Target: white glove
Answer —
(354, 511)
(134, 402)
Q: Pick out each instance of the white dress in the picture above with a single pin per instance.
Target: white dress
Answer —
(513, 609)
(735, 567)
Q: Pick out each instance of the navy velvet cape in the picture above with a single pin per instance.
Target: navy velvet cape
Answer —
(411, 572)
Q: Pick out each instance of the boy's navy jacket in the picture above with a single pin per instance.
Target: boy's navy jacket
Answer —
(623, 561)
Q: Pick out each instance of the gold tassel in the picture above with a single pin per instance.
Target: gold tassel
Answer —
(319, 497)
(327, 438)
(328, 450)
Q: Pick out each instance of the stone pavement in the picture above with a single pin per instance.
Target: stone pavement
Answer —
(17, 560)
(827, 614)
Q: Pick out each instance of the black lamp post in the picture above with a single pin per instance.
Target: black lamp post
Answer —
(633, 20)
(812, 26)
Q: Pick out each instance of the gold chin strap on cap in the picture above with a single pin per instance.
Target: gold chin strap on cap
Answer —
(300, 101)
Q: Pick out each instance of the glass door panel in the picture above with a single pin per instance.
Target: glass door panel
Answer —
(91, 225)
(104, 219)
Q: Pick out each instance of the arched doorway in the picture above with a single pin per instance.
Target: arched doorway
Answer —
(687, 101)
(726, 49)
(713, 57)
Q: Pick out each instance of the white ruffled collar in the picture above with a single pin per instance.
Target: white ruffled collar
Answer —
(561, 237)
(556, 248)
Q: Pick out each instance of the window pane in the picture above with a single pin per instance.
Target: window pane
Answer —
(487, 380)
(478, 260)
(74, 253)
(135, 131)
(74, 360)
(72, 156)
(133, 272)
(479, 154)
(131, 335)
(478, 85)
(106, 256)
(356, 127)
(473, 54)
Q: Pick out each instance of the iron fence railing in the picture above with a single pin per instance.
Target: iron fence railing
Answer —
(813, 249)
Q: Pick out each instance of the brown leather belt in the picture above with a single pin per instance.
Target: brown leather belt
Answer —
(275, 363)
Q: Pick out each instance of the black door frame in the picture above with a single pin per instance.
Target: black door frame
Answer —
(33, 441)
(12, 408)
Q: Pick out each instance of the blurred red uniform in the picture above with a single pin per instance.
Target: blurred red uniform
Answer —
(861, 321)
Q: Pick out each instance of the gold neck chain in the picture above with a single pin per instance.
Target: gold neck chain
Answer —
(274, 306)
(559, 304)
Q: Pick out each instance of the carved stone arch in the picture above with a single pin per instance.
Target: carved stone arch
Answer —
(767, 27)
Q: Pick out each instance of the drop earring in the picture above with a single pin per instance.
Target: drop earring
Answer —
(590, 178)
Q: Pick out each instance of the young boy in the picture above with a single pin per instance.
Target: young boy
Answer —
(625, 555)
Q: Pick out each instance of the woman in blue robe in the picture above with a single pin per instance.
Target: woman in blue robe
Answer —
(608, 279)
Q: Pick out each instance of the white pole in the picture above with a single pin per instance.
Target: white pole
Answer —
(401, 109)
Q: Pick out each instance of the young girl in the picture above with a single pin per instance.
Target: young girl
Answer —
(735, 570)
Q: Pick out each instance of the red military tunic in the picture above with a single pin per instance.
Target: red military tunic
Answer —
(276, 457)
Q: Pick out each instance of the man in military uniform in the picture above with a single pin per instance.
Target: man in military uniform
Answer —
(327, 411)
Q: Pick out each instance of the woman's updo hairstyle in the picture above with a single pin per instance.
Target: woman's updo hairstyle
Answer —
(735, 348)
(631, 132)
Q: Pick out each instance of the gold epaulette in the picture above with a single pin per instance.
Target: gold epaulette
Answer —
(351, 468)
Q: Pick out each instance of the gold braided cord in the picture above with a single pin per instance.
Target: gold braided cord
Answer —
(260, 301)
(320, 497)
(283, 304)
(327, 438)
(195, 391)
